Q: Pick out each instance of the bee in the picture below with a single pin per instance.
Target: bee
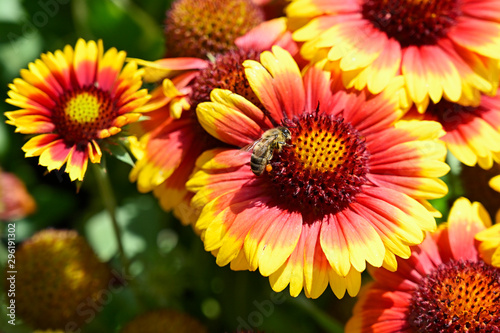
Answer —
(263, 149)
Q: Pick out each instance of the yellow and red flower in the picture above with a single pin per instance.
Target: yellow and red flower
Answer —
(472, 132)
(444, 286)
(347, 189)
(198, 28)
(172, 138)
(442, 48)
(71, 101)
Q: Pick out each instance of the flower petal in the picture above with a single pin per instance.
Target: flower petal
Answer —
(464, 222)
(227, 124)
(85, 61)
(272, 239)
(77, 164)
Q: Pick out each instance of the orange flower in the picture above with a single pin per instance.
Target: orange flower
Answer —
(443, 287)
(472, 131)
(345, 189)
(443, 48)
(73, 100)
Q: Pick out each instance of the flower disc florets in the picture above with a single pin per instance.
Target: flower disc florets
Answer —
(195, 28)
(324, 166)
(412, 22)
(459, 296)
(226, 72)
(80, 115)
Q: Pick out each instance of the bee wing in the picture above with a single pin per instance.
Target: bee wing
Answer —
(250, 146)
(266, 140)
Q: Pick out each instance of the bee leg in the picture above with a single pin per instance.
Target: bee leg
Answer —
(269, 167)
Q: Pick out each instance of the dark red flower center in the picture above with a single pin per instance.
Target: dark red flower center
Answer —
(460, 296)
(451, 115)
(413, 22)
(197, 28)
(226, 72)
(80, 114)
(324, 166)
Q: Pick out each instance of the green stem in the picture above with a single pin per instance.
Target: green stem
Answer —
(328, 323)
(109, 201)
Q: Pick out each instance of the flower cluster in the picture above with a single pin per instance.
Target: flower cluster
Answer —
(308, 142)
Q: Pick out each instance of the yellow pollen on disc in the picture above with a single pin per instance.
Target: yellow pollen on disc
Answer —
(83, 108)
(319, 150)
(467, 294)
(459, 296)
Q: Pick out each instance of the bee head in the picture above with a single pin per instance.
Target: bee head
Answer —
(286, 133)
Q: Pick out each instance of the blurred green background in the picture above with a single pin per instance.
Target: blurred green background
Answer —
(169, 265)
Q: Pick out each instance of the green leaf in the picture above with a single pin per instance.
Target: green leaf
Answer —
(118, 151)
(120, 24)
(101, 236)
